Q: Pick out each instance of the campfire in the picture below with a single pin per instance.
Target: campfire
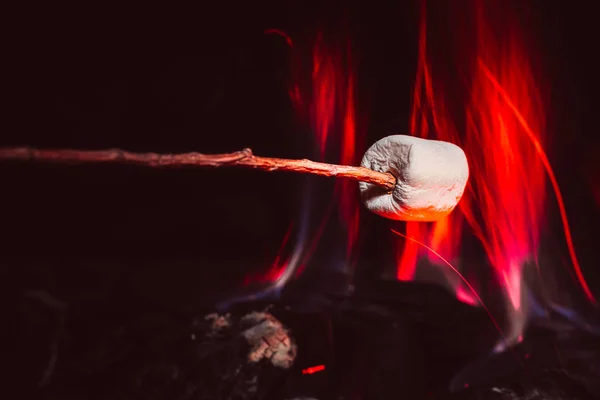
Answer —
(360, 246)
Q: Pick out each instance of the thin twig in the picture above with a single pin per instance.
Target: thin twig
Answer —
(243, 158)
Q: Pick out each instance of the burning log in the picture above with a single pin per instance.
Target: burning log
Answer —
(401, 177)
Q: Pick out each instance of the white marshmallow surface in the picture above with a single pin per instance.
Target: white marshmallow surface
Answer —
(431, 178)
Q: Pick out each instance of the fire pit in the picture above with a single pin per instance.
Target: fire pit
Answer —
(450, 256)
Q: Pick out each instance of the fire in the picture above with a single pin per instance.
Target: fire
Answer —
(507, 111)
(430, 119)
(328, 109)
(559, 199)
(504, 136)
(346, 190)
(278, 267)
(503, 203)
(508, 175)
(333, 121)
(325, 88)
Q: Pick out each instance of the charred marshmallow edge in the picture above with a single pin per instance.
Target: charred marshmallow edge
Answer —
(431, 178)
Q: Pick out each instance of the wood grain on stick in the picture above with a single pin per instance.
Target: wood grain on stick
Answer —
(243, 158)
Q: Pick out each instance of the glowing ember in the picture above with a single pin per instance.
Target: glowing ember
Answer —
(312, 370)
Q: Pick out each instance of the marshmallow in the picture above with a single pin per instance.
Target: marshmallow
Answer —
(431, 178)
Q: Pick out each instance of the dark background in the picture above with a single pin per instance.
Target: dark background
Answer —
(207, 79)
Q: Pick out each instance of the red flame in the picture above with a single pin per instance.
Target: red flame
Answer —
(277, 267)
(507, 113)
(329, 110)
(333, 120)
(429, 119)
(503, 140)
(325, 88)
(548, 168)
(346, 190)
(508, 177)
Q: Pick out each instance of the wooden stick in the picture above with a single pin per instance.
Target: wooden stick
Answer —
(243, 158)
